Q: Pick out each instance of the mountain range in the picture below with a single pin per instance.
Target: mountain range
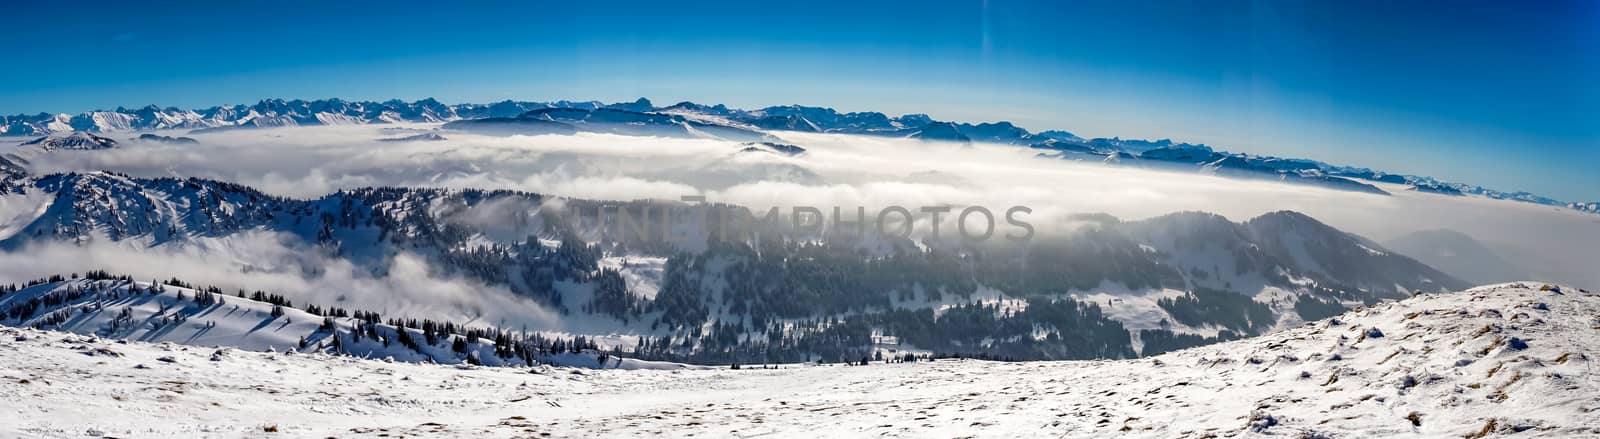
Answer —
(688, 119)
(1188, 278)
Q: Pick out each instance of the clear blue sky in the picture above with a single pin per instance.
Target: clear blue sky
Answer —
(1504, 94)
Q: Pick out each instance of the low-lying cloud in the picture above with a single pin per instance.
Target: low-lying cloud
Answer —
(835, 170)
(279, 264)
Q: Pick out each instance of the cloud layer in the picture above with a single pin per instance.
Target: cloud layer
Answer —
(836, 170)
(279, 264)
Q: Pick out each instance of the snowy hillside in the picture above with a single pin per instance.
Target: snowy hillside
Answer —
(72, 140)
(1491, 361)
(171, 311)
(1173, 281)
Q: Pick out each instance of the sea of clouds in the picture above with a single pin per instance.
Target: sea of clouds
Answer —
(836, 170)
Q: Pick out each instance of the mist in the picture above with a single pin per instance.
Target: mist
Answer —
(276, 263)
(836, 170)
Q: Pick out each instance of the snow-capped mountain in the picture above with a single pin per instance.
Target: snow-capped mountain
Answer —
(942, 131)
(75, 140)
(115, 207)
(1511, 359)
(995, 132)
(775, 148)
(1200, 158)
(823, 119)
(1586, 207)
(793, 122)
(266, 113)
(1058, 135)
(617, 119)
(641, 105)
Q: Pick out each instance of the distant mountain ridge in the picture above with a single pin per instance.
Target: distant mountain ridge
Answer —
(74, 140)
(1458, 254)
(517, 117)
(621, 120)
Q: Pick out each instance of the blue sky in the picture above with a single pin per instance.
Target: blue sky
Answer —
(1496, 93)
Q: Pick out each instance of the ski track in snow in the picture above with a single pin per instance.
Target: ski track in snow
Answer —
(1493, 360)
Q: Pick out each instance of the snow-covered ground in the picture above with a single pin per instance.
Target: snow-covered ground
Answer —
(1513, 358)
(161, 312)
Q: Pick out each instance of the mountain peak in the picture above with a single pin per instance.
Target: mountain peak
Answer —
(640, 105)
(79, 140)
(943, 131)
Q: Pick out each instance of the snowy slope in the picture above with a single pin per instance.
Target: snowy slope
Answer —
(1491, 361)
(1288, 257)
(162, 312)
(74, 140)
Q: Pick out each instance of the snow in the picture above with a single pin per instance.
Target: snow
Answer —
(1496, 359)
(643, 274)
(1370, 250)
(17, 211)
(166, 313)
(1139, 312)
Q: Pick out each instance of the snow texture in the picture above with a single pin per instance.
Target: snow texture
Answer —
(1490, 361)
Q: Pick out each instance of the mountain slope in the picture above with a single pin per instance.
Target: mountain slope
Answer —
(147, 137)
(1173, 281)
(1458, 254)
(944, 131)
(174, 312)
(612, 120)
(74, 140)
(10, 170)
(1491, 361)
